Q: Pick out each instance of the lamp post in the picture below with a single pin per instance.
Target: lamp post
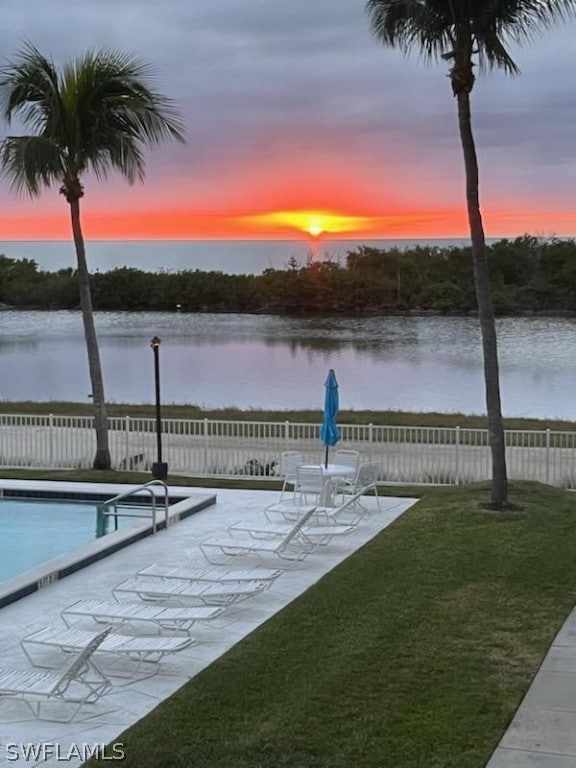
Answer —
(159, 468)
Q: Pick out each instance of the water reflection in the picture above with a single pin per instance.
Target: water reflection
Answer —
(416, 363)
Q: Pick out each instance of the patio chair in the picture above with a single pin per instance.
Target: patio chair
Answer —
(289, 462)
(143, 649)
(346, 457)
(309, 481)
(179, 590)
(210, 573)
(290, 545)
(366, 480)
(80, 683)
(121, 613)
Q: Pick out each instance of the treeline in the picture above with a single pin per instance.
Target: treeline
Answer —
(528, 275)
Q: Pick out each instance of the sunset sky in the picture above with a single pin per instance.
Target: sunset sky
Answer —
(297, 120)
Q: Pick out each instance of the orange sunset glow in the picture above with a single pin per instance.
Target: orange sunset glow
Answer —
(283, 224)
(293, 141)
(297, 190)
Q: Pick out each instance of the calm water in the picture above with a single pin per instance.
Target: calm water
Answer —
(412, 363)
(33, 532)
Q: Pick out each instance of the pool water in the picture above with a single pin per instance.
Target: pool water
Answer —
(32, 532)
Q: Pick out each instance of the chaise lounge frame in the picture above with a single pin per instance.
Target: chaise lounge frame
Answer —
(142, 649)
(82, 682)
(112, 612)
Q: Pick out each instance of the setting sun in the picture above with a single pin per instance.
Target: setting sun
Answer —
(315, 228)
(313, 223)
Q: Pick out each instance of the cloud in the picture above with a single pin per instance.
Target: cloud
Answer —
(303, 88)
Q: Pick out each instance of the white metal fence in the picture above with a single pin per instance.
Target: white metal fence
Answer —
(206, 447)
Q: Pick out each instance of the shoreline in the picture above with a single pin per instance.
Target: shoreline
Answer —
(390, 312)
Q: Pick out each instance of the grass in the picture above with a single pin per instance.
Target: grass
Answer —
(136, 478)
(413, 653)
(385, 418)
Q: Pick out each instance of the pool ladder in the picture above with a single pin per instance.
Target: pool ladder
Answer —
(105, 512)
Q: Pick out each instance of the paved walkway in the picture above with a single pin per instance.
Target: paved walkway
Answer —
(543, 731)
(132, 698)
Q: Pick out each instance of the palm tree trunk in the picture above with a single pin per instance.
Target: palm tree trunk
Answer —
(499, 496)
(102, 458)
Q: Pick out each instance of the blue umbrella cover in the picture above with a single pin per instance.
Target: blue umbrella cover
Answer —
(329, 432)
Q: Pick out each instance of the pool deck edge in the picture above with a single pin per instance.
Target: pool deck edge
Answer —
(35, 579)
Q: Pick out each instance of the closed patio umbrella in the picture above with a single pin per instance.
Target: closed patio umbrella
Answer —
(329, 432)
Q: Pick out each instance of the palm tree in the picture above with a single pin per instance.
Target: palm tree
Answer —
(97, 114)
(458, 31)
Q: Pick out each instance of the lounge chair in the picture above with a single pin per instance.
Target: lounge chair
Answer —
(143, 649)
(349, 512)
(210, 573)
(292, 545)
(154, 589)
(164, 617)
(80, 683)
(323, 534)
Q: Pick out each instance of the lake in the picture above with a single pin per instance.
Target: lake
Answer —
(258, 361)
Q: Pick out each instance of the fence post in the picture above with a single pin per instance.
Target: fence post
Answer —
(370, 440)
(457, 455)
(548, 456)
(205, 446)
(127, 443)
(287, 435)
(51, 440)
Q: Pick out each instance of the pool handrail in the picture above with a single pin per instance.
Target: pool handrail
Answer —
(146, 487)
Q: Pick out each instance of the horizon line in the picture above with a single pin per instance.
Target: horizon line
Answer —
(310, 240)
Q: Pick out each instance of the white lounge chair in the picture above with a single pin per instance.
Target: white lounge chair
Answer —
(143, 649)
(349, 513)
(80, 683)
(164, 617)
(266, 528)
(178, 590)
(293, 545)
(210, 573)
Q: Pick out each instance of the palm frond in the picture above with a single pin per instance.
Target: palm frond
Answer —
(121, 155)
(29, 88)
(30, 163)
(409, 25)
(107, 84)
(437, 27)
(99, 113)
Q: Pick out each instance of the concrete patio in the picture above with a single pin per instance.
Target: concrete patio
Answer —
(133, 697)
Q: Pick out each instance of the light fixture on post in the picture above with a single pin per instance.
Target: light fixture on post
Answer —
(159, 468)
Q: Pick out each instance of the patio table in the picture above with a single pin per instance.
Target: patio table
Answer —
(330, 473)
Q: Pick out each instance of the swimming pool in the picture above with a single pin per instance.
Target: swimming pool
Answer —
(48, 529)
(34, 531)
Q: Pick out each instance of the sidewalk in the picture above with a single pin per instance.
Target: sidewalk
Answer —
(543, 731)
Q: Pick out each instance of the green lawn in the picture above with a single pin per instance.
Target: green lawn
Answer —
(137, 478)
(414, 653)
